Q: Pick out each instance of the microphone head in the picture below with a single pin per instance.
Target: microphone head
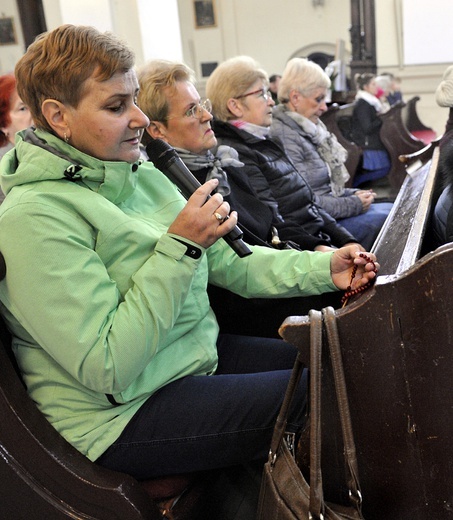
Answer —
(159, 152)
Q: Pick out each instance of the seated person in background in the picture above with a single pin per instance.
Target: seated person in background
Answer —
(443, 211)
(178, 116)
(242, 108)
(317, 154)
(394, 95)
(274, 82)
(444, 98)
(107, 268)
(384, 85)
(14, 115)
(366, 126)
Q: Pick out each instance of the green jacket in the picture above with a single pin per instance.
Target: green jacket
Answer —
(103, 305)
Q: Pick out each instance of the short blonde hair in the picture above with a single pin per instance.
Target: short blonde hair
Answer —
(302, 75)
(57, 64)
(157, 79)
(231, 79)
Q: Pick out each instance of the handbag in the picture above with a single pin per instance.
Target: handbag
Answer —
(285, 494)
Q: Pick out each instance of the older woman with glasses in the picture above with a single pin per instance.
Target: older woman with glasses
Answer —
(242, 106)
(316, 153)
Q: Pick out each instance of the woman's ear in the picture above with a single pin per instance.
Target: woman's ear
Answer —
(157, 130)
(294, 97)
(235, 108)
(55, 113)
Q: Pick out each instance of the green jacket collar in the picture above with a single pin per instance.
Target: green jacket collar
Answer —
(40, 156)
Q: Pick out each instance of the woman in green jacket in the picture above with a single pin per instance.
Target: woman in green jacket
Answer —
(107, 268)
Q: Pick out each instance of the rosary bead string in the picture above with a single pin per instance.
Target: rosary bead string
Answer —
(352, 292)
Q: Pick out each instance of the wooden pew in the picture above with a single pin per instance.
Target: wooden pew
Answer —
(396, 344)
(413, 124)
(397, 141)
(43, 476)
(397, 348)
(402, 237)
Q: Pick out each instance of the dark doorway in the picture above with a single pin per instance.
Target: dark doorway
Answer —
(32, 19)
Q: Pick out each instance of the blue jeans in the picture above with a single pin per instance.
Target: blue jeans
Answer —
(207, 422)
(366, 226)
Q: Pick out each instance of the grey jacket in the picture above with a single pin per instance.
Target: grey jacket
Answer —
(304, 155)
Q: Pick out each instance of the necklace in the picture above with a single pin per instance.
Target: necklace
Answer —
(352, 292)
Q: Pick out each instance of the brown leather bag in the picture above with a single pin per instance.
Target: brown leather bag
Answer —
(285, 493)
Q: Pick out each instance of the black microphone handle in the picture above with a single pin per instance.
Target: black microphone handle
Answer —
(174, 168)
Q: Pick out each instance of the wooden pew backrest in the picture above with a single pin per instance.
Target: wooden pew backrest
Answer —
(413, 124)
(401, 238)
(397, 141)
(396, 345)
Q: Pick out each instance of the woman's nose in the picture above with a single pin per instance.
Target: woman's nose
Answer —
(139, 118)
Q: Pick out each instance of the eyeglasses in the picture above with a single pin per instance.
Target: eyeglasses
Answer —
(197, 110)
(263, 92)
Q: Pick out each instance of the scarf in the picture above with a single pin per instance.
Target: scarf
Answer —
(329, 149)
(225, 156)
(369, 98)
(258, 131)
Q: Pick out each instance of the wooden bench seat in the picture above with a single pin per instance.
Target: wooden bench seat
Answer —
(396, 343)
(397, 141)
(413, 124)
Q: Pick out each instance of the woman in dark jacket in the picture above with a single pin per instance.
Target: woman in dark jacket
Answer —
(366, 126)
(242, 107)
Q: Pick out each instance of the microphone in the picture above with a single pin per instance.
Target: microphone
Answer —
(166, 159)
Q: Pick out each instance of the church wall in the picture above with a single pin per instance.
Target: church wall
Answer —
(271, 32)
(274, 32)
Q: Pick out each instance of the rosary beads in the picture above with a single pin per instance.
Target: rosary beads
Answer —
(352, 292)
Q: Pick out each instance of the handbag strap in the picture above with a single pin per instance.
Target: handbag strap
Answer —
(282, 419)
(352, 472)
(316, 489)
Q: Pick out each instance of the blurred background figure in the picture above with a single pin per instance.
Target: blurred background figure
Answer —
(443, 211)
(14, 115)
(274, 83)
(395, 93)
(444, 98)
(366, 126)
(384, 84)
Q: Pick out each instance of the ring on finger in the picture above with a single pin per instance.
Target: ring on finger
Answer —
(218, 216)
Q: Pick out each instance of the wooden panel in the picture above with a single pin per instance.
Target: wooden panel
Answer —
(400, 239)
(396, 342)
